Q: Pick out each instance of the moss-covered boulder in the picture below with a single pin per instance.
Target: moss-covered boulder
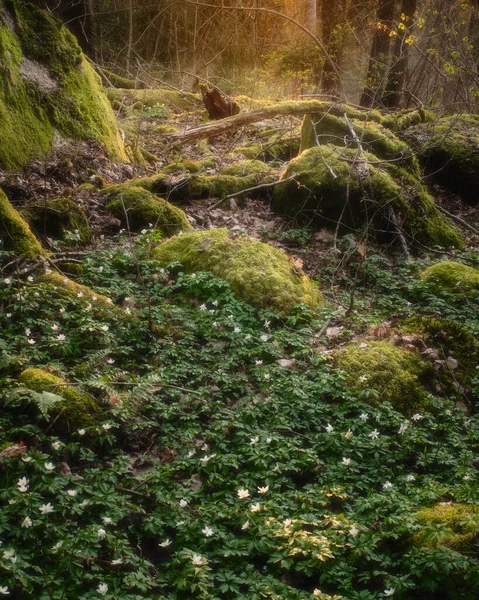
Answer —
(56, 217)
(374, 138)
(137, 208)
(332, 184)
(449, 151)
(78, 408)
(452, 277)
(15, 234)
(397, 376)
(62, 287)
(458, 524)
(47, 86)
(258, 273)
(180, 185)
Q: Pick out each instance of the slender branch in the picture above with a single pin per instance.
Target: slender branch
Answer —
(458, 219)
(262, 186)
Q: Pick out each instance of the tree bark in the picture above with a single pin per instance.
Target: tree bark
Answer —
(331, 16)
(311, 15)
(379, 57)
(397, 74)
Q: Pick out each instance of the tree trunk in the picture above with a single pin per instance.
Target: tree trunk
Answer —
(331, 15)
(311, 15)
(397, 74)
(379, 58)
(218, 105)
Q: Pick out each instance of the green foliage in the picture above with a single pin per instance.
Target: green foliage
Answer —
(232, 459)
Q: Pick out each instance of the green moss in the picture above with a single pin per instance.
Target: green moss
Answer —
(100, 306)
(54, 217)
(458, 527)
(375, 138)
(80, 409)
(330, 183)
(188, 166)
(396, 375)
(449, 151)
(258, 273)
(407, 118)
(452, 277)
(72, 268)
(137, 208)
(58, 91)
(15, 234)
(180, 187)
(174, 100)
(117, 81)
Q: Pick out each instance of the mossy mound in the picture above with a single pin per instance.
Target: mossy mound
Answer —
(15, 234)
(78, 408)
(137, 208)
(331, 184)
(62, 287)
(174, 100)
(449, 151)
(374, 138)
(276, 148)
(111, 79)
(46, 85)
(56, 217)
(258, 273)
(458, 527)
(179, 186)
(395, 374)
(452, 277)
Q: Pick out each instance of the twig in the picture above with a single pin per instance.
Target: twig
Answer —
(251, 189)
(402, 239)
(458, 219)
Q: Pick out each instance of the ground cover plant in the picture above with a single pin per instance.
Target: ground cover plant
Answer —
(230, 457)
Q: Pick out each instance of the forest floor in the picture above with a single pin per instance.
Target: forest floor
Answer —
(232, 456)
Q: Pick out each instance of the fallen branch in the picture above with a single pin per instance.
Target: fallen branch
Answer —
(262, 186)
(402, 239)
(458, 220)
(208, 130)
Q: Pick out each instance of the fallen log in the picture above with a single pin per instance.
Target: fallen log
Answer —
(210, 130)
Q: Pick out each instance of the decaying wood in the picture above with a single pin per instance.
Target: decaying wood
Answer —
(217, 104)
(209, 130)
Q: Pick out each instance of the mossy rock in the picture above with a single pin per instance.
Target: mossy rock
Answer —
(375, 138)
(100, 306)
(331, 184)
(258, 273)
(276, 148)
(174, 100)
(55, 217)
(449, 151)
(46, 85)
(180, 187)
(398, 376)
(15, 234)
(452, 277)
(137, 208)
(401, 120)
(78, 408)
(459, 523)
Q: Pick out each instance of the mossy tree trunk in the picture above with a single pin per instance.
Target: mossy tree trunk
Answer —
(397, 74)
(379, 57)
